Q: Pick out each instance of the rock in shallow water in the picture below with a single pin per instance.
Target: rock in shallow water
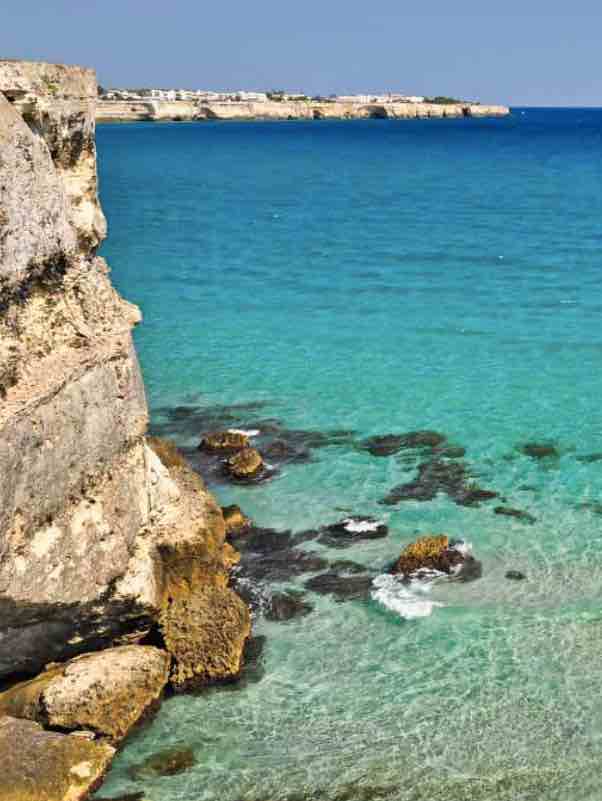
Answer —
(235, 519)
(436, 553)
(342, 588)
(351, 530)
(224, 442)
(245, 465)
(539, 450)
(518, 514)
(169, 762)
(287, 605)
(389, 444)
(515, 575)
(451, 478)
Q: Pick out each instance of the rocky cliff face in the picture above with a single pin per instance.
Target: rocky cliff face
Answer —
(95, 530)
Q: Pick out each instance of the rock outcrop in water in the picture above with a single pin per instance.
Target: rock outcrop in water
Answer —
(97, 534)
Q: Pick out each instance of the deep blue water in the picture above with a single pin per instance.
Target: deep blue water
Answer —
(387, 276)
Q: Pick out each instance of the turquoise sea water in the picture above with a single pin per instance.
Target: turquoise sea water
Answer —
(381, 277)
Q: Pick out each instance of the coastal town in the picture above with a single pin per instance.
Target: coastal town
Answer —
(239, 96)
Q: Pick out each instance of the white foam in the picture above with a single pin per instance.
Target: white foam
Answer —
(254, 432)
(463, 547)
(359, 526)
(408, 601)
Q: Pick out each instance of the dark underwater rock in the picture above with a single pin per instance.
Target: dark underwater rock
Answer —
(515, 575)
(281, 452)
(590, 458)
(518, 514)
(269, 555)
(347, 566)
(287, 605)
(342, 588)
(169, 762)
(451, 452)
(351, 530)
(389, 444)
(451, 478)
(539, 450)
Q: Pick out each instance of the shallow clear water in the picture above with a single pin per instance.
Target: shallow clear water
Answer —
(385, 277)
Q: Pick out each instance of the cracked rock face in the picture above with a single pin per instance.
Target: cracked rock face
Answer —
(88, 510)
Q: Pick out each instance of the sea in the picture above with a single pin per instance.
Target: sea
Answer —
(369, 278)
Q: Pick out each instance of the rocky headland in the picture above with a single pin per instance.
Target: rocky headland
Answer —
(108, 542)
(187, 111)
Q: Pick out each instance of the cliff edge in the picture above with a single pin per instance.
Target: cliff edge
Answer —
(101, 542)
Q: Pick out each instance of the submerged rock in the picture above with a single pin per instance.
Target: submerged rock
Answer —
(515, 575)
(389, 444)
(224, 442)
(245, 465)
(351, 530)
(341, 587)
(106, 693)
(518, 514)
(451, 478)
(169, 762)
(287, 605)
(590, 458)
(38, 765)
(435, 553)
(539, 450)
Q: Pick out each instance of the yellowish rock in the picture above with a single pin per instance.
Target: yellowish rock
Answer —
(245, 464)
(46, 766)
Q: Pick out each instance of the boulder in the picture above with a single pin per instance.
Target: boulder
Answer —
(341, 587)
(224, 442)
(245, 464)
(47, 766)
(235, 519)
(204, 626)
(106, 693)
(436, 553)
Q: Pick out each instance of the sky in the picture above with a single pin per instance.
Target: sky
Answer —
(519, 52)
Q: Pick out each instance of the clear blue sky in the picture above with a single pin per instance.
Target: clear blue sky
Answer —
(515, 51)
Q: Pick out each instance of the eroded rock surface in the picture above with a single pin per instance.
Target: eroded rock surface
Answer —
(46, 766)
(105, 693)
(91, 517)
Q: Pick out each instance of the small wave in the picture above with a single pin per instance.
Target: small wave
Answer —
(253, 432)
(406, 600)
(361, 526)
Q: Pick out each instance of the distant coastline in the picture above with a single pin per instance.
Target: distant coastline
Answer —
(186, 106)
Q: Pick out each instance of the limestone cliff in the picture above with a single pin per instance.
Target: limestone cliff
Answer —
(97, 535)
(123, 111)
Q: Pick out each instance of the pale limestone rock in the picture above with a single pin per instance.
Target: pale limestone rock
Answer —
(104, 693)
(88, 513)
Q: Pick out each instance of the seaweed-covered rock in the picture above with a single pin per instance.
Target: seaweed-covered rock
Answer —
(351, 530)
(39, 765)
(245, 464)
(224, 442)
(435, 553)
